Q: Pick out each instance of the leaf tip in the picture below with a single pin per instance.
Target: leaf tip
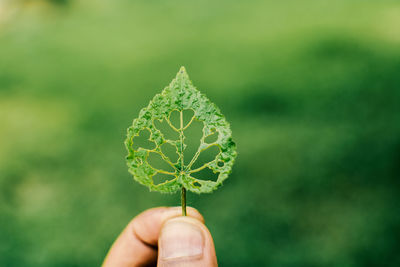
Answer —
(182, 70)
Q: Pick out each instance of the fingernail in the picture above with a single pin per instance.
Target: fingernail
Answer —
(181, 239)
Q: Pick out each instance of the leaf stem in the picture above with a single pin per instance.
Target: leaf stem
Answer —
(183, 195)
(183, 201)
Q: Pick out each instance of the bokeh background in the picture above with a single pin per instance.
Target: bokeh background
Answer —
(311, 88)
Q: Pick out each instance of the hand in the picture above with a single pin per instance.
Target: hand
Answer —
(163, 236)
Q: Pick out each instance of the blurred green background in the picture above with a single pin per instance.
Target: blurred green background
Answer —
(311, 88)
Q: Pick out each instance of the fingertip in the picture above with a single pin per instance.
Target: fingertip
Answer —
(147, 225)
(191, 212)
(186, 240)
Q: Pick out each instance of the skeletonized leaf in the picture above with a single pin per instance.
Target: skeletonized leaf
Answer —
(180, 95)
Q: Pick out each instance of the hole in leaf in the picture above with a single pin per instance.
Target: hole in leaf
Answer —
(193, 134)
(169, 151)
(187, 116)
(175, 119)
(166, 129)
(197, 184)
(206, 156)
(160, 178)
(220, 164)
(156, 161)
(206, 174)
(211, 138)
(143, 141)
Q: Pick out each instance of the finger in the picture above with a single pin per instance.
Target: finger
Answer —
(185, 241)
(148, 224)
(137, 244)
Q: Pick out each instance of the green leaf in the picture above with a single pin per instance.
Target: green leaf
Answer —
(180, 95)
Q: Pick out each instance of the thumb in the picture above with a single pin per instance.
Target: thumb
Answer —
(185, 241)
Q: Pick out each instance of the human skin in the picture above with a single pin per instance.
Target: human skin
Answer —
(162, 237)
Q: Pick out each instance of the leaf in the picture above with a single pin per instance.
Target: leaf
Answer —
(178, 96)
